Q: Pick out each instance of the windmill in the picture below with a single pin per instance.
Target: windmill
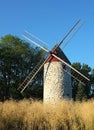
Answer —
(57, 72)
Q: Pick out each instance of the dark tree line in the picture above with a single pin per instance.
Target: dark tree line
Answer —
(18, 58)
(83, 91)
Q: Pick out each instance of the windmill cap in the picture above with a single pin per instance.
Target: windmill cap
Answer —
(58, 52)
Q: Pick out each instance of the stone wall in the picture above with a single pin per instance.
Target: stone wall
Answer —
(57, 83)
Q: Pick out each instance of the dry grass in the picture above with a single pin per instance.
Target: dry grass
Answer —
(33, 115)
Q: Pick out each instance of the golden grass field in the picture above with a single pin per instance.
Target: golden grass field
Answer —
(34, 115)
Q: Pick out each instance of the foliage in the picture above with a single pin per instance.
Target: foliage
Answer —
(17, 59)
(82, 92)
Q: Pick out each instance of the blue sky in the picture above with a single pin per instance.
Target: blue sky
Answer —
(50, 20)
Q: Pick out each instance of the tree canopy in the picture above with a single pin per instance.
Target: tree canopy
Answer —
(82, 92)
(18, 58)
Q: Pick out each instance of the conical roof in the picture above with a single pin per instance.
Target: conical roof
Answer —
(58, 52)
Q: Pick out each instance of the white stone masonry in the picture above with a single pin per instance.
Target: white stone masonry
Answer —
(57, 83)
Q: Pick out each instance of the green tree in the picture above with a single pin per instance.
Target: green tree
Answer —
(85, 69)
(17, 59)
(77, 66)
(80, 91)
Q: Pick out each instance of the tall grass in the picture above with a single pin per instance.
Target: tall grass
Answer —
(34, 115)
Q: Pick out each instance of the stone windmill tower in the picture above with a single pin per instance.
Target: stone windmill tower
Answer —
(57, 82)
(57, 72)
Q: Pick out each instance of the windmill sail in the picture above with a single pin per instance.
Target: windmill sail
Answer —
(76, 71)
(68, 33)
(35, 43)
(31, 76)
(75, 77)
(35, 37)
(52, 53)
